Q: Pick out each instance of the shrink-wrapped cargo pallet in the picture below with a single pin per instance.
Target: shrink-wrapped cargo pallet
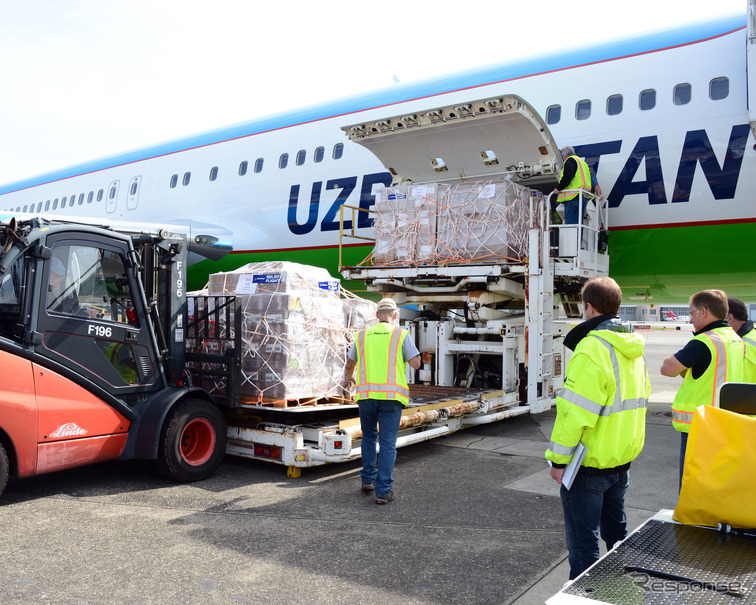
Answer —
(296, 326)
(438, 223)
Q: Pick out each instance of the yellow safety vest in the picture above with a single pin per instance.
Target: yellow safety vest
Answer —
(749, 363)
(603, 402)
(726, 365)
(381, 368)
(581, 180)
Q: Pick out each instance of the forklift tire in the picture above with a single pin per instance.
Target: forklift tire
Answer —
(192, 441)
(4, 468)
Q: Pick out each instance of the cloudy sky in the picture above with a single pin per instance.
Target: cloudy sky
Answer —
(82, 79)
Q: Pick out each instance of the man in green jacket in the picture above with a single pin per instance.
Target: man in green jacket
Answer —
(603, 406)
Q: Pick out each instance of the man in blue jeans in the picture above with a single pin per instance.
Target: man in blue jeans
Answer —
(380, 353)
(603, 406)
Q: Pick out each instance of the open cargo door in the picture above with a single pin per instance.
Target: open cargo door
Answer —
(485, 140)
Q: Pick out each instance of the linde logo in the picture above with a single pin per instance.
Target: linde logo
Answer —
(70, 429)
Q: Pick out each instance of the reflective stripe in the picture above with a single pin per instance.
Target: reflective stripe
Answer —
(750, 341)
(681, 416)
(580, 401)
(720, 367)
(361, 353)
(620, 404)
(396, 334)
(383, 388)
(562, 450)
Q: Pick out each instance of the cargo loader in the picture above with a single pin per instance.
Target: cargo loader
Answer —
(107, 356)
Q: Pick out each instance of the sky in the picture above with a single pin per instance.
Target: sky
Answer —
(83, 79)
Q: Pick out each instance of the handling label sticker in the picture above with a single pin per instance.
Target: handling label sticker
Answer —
(331, 285)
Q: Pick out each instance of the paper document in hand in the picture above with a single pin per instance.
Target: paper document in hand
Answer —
(571, 470)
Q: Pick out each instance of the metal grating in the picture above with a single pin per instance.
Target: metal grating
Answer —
(723, 567)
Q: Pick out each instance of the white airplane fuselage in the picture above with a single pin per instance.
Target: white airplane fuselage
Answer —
(679, 177)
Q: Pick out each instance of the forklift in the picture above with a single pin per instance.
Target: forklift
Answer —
(92, 349)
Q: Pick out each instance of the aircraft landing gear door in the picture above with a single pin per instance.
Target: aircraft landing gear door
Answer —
(87, 317)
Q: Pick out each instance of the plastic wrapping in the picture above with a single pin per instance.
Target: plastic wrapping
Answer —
(297, 324)
(437, 223)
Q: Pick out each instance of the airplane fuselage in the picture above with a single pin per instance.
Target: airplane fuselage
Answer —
(663, 121)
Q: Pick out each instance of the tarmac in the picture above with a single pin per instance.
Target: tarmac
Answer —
(476, 520)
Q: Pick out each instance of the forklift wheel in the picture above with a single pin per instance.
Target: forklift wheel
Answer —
(4, 468)
(192, 442)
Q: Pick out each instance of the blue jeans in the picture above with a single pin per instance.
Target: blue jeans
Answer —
(387, 413)
(572, 212)
(593, 505)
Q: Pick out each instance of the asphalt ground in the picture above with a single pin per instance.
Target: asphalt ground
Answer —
(476, 520)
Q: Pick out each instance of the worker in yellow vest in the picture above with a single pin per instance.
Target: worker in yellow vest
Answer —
(380, 354)
(713, 356)
(737, 317)
(575, 175)
(601, 408)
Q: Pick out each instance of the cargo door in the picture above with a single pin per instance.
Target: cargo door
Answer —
(484, 140)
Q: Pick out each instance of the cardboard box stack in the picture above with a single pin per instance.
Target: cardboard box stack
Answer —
(438, 223)
(405, 223)
(296, 328)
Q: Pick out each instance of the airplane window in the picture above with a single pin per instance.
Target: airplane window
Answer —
(647, 99)
(301, 156)
(719, 88)
(213, 173)
(283, 161)
(174, 182)
(614, 105)
(113, 189)
(99, 195)
(187, 178)
(243, 168)
(553, 114)
(63, 202)
(319, 153)
(81, 199)
(55, 203)
(25, 207)
(90, 197)
(47, 205)
(39, 207)
(258, 165)
(338, 151)
(682, 94)
(583, 110)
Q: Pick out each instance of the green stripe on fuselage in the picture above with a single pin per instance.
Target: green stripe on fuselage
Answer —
(659, 265)
(670, 264)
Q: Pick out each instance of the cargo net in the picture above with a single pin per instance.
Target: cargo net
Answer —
(297, 326)
(437, 223)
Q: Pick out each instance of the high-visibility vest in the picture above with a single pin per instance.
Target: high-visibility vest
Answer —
(749, 363)
(381, 368)
(603, 402)
(581, 180)
(726, 365)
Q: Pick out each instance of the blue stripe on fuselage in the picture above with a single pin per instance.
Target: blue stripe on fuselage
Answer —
(402, 93)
